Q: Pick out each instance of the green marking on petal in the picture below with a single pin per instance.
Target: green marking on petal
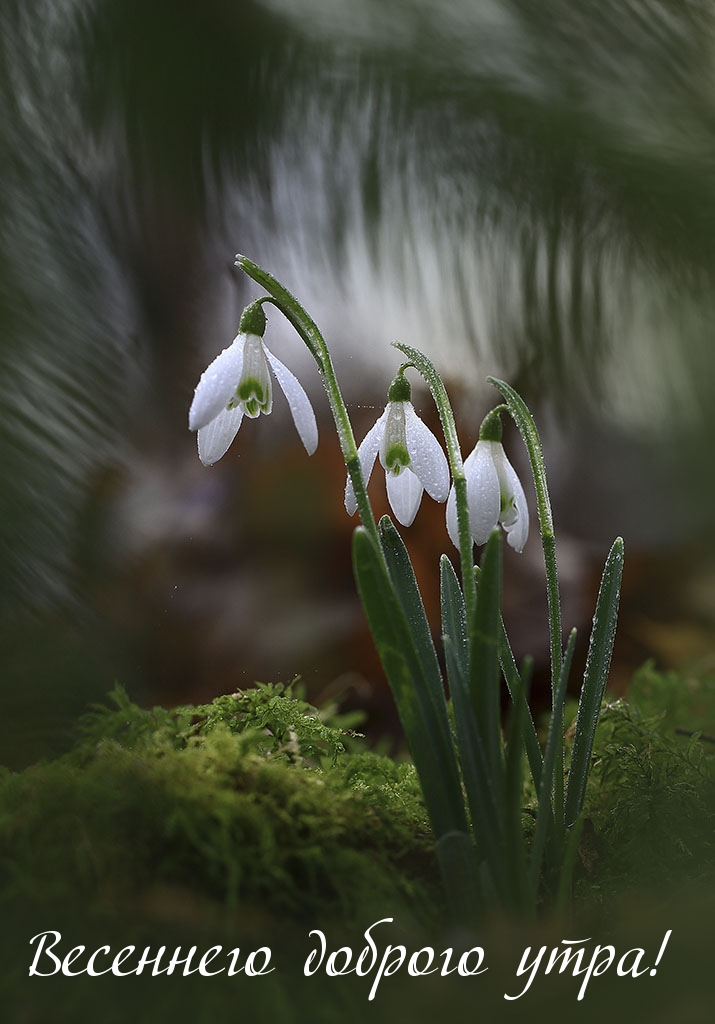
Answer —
(394, 455)
(249, 388)
(508, 513)
(396, 459)
(254, 387)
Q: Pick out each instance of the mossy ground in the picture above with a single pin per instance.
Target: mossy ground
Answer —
(258, 817)
(251, 801)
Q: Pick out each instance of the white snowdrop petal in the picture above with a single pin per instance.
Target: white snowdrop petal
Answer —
(483, 496)
(255, 372)
(214, 439)
(517, 533)
(427, 460)
(452, 524)
(217, 384)
(350, 498)
(517, 530)
(300, 407)
(367, 453)
(404, 492)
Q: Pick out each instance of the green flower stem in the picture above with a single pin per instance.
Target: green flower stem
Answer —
(456, 465)
(306, 327)
(527, 428)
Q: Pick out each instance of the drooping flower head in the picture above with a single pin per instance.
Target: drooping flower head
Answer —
(409, 453)
(494, 494)
(238, 383)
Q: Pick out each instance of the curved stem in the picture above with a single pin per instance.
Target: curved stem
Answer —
(306, 327)
(428, 370)
(527, 428)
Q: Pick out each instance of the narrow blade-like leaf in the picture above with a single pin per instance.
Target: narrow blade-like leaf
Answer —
(513, 683)
(428, 735)
(454, 617)
(459, 864)
(598, 662)
(483, 640)
(483, 788)
(550, 809)
(513, 785)
(405, 585)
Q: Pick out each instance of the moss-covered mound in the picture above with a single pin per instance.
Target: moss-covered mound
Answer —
(249, 801)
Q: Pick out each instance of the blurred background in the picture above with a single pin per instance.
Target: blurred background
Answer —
(517, 189)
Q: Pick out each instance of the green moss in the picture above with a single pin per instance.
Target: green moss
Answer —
(258, 801)
(251, 800)
(650, 804)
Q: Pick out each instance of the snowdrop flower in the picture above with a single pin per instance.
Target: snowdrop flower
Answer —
(409, 453)
(494, 493)
(238, 383)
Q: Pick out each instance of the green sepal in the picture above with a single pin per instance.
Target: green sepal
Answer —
(400, 390)
(253, 320)
(491, 428)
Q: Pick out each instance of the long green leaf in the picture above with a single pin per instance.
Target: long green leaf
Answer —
(483, 640)
(514, 686)
(454, 617)
(568, 861)
(405, 585)
(458, 860)
(550, 810)
(483, 789)
(598, 662)
(513, 785)
(427, 734)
